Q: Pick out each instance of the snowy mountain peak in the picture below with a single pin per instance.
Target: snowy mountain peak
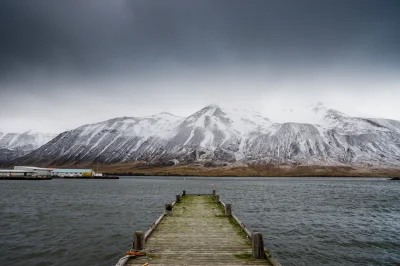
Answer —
(13, 145)
(165, 115)
(214, 117)
(319, 114)
(25, 141)
(228, 135)
(324, 112)
(211, 106)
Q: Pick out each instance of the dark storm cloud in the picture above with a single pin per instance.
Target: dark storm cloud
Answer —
(99, 35)
(89, 60)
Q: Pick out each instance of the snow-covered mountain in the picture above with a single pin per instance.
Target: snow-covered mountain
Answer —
(227, 136)
(14, 145)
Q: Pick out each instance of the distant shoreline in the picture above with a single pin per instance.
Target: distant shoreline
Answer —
(267, 170)
(223, 176)
(247, 171)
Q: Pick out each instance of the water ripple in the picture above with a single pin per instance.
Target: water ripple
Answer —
(306, 221)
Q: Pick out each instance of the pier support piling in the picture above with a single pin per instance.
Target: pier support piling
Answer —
(168, 207)
(138, 241)
(257, 245)
(228, 209)
(214, 192)
(178, 198)
(184, 193)
(217, 199)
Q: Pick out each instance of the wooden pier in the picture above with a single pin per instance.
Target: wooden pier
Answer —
(198, 229)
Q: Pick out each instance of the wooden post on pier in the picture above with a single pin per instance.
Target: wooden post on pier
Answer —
(228, 210)
(214, 192)
(178, 198)
(138, 241)
(257, 245)
(217, 199)
(168, 207)
(184, 193)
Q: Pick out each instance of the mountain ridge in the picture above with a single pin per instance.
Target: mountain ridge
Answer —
(14, 145)
(226, 136)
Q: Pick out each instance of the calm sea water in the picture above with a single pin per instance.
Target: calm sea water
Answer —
(306, 221)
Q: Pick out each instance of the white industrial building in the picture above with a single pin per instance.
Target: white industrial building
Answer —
(72, 172)
(40, 171)
(36, 171)
(10, 173)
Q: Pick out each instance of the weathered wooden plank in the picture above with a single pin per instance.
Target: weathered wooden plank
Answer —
(191, 194)
(197, 232)
(271, 259)
(242, 225)
(150, 230)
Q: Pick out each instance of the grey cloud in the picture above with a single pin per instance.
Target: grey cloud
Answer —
(139, 57)
(96, 35)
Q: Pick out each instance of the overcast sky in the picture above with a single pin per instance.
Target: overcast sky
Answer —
(72, 62)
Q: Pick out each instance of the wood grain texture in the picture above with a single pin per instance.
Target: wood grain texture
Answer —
(138, 241)
(197, 232)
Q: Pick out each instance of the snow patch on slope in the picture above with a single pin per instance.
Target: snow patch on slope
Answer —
(232, 135)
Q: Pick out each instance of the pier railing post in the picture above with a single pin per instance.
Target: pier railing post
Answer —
(257, 245)
(138, 241)
(168, 207)
(184, 193)
(178, 198)
(214, 192)
(228, 209)
(217, 198)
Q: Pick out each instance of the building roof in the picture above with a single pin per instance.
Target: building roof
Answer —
(72, 170)
(34, 168)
